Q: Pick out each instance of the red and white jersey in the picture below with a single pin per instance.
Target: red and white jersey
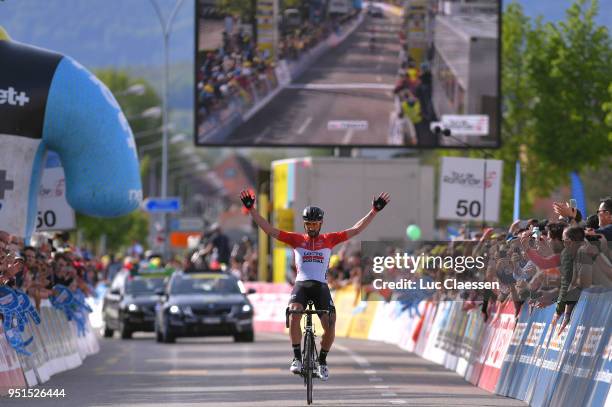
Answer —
(312, 255)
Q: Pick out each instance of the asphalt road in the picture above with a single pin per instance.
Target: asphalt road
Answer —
(218, 372)
(348, 83)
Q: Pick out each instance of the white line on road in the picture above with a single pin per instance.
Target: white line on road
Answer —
(332, 86)
(381, 387)
(348, 136)
(360, 360)
(304, 125)
(369, 371)
(264, 134)
(388, 394)
(397, 401)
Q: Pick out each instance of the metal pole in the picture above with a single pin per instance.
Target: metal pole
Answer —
(166, 27)
(484, 194)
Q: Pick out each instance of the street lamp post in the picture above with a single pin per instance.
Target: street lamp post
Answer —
(166, 27)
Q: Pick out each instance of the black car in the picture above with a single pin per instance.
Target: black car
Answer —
(129, 305)
(204, 304)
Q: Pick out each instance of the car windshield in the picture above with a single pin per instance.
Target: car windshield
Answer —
(205, 284)
(143, 286)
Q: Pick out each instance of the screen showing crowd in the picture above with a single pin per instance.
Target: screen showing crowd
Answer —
(347, 73)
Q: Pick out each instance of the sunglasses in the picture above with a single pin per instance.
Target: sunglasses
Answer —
(315, 223)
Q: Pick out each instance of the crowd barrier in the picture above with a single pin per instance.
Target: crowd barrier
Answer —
(219, 125)
(56, 346)
(528, 359)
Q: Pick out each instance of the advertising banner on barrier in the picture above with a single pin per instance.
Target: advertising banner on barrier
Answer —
(578, 363)
(601, 391)
(11, 374)
(473, 332)
(345, 301)
(55, 347)
(425, 329)
(269, 303)
(432, 351)
(362, 318)
(539, 347)
(475, 369)
(511, 360)
(503, 326)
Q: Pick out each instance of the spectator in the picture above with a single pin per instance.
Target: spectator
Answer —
(604, 215)
(573, 239)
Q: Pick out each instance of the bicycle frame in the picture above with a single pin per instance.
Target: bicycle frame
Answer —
(310, 355)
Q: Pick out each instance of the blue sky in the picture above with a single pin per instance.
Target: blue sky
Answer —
(554, 10)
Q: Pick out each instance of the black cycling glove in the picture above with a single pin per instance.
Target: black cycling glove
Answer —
(379, 203)
(247, 200)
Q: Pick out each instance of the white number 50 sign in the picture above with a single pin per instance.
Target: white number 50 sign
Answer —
(462, 192)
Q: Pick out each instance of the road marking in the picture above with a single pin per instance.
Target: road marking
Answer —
(360, 360)
(188, 372)
(335, 86)
(348, 136)
(304, 125)
(381, 387)
(369, 371)
(397, 401)
(388, 394)
(264, 134)
(375, 379)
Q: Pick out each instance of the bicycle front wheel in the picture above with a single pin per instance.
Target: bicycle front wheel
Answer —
(309, 361)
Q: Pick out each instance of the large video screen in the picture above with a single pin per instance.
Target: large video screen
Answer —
(347, 73)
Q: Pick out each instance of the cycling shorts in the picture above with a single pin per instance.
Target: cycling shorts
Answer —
(318, 292)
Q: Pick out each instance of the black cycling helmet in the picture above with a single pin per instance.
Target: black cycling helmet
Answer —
(312, 214)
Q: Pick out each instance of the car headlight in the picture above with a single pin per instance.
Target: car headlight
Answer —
(132, 307)
(175, 309)
(246, 308)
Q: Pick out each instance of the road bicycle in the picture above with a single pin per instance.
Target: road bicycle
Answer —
(310, 356)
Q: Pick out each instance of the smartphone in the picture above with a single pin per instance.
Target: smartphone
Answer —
(573, 203)
(536, 232)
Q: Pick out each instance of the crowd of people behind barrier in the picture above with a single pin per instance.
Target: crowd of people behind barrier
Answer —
(238, 65)
(36, 270)
(535, 263)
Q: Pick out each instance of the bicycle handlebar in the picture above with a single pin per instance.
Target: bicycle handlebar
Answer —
(302, 312)
(308, 311)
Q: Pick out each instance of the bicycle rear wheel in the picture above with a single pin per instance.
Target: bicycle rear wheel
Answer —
(309, 366)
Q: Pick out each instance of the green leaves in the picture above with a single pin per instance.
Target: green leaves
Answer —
(557, 100)
(570, 72)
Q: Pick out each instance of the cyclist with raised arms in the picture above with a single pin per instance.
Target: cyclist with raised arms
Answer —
(311, 253)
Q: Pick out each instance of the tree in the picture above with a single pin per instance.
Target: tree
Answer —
(571, 73)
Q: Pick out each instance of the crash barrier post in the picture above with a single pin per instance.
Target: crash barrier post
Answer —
(56, 345)
(527, 359)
